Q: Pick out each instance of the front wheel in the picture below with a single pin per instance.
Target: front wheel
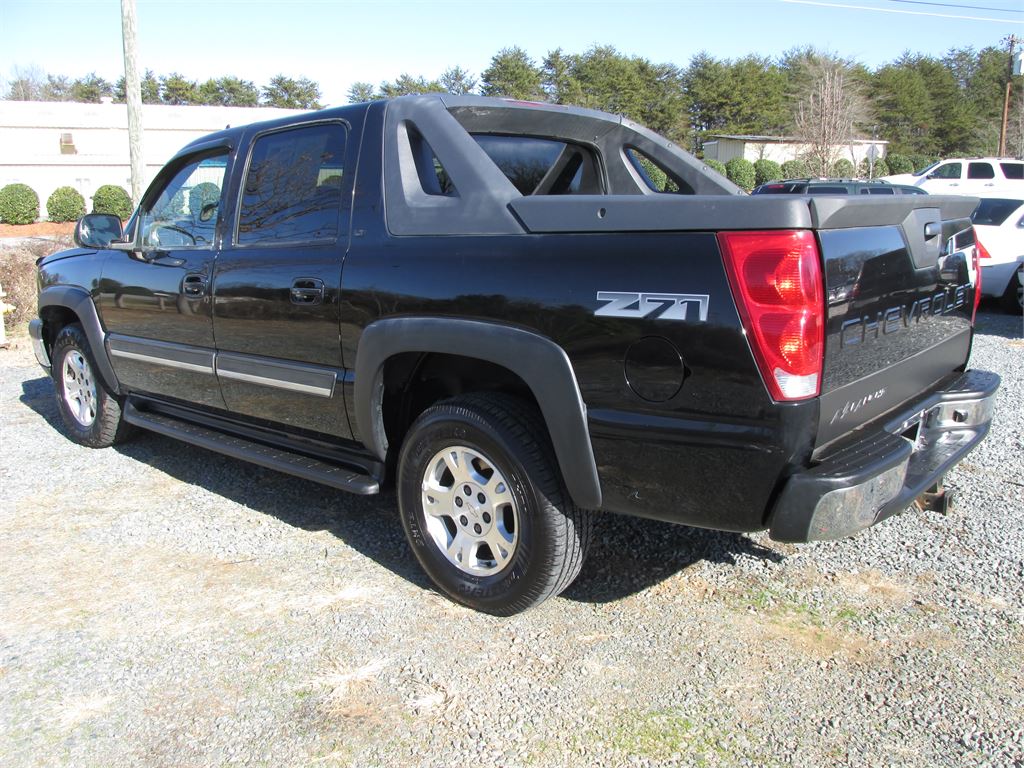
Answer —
(91, 414)
(484, 507)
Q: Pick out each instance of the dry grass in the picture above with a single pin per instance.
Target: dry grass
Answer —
(18, 279)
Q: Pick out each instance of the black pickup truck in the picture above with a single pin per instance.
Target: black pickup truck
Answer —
(519, 314)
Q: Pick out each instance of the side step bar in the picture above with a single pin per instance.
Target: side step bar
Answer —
(279, 459)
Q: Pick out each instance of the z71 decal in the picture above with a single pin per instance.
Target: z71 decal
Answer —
(664, 306)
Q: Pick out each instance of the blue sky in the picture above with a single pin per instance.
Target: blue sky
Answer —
(338, 43)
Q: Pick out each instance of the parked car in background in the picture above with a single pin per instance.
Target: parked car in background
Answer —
(835, 187)
(967, 176)
(999, 231)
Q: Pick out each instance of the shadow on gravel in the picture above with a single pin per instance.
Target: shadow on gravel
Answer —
(630, 554)
(627, 555)
(992, 321)
(37, 394)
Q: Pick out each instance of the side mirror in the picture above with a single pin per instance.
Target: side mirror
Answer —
(97, 230)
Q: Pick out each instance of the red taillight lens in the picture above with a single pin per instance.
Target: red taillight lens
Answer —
(777, 285)
(979, 254)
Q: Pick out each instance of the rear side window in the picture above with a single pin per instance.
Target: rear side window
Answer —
(538, 166)
(877, 191)
(980, 171)
(292, 190)
(1013, 170)
(994, 211)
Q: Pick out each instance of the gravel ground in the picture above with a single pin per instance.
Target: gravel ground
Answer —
(161, 605)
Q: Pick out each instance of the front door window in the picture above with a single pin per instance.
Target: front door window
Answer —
(185, 213)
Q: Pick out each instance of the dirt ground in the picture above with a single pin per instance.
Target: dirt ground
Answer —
(39, 229)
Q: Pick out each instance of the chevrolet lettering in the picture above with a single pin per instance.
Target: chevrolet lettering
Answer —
(521, 317)
(894, 319)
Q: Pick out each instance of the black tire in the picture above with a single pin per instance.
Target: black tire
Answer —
(1011, 298)
(552, 534)
(105, 427)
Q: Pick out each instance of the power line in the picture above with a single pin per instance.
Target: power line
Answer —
(897, 10)
(954, 5)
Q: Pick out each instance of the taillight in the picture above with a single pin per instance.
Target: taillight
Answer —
(979, 254)
(777, 285)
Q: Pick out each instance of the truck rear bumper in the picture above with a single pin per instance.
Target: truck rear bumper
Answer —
(884, 471)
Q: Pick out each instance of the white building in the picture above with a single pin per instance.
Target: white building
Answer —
(724, 147)
(47, 144)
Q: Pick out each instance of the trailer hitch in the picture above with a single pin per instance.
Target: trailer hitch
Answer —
(938, 498)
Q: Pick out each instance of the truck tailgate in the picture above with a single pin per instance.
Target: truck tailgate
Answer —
(899, 291)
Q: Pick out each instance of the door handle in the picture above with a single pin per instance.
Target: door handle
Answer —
(193, 285)
(307, 291)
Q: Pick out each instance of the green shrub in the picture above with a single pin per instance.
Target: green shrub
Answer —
(113, 199)
(201, 194)
(899, 163)
(795, 169)
(715, 166)
(881, 168)
(741, 173)
(19, 204)
(843, 168)
(765, 171)
(65, 204)
(920, 162)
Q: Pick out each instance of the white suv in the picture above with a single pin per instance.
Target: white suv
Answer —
(982, 176)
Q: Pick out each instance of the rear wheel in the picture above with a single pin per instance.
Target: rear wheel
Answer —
(1013, 298)
(484, 507)
(91, 414)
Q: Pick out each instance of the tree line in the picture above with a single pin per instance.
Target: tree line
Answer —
(925, 106)
(174, 89)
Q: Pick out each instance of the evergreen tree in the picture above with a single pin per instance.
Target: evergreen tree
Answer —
(457, 80)
(514, 75)
(289, 93)
(176, 90)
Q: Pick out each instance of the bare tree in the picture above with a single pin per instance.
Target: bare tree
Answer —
(25, 84)
(828, 108)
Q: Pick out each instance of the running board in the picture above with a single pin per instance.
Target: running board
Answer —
(267, 456)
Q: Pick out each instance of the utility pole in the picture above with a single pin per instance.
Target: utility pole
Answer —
(133, 97)
(1012, 40)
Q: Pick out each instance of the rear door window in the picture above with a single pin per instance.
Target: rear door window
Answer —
(292, 190)
(980, 171)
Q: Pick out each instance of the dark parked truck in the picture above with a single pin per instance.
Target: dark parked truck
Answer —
(519, 314)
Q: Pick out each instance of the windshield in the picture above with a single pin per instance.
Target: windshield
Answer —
(994, 211)
(926, 169)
